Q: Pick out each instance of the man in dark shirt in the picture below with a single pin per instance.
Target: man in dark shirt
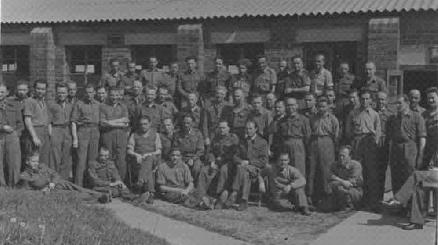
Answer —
(114, 77)
(371, 83)
(190, 80)
(219, 77)
(149, 108)
(414, 99)
(299, 83)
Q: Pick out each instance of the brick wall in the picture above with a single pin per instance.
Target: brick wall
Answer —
(190, 41)
(61, 66)
(123, 54)
(209, 55)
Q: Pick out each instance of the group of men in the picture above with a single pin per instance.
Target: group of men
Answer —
(307, 138)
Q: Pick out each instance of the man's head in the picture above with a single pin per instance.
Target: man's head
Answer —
(257, 102)
(114, 95)
(131, 66)
(144, 124)
(115, 65)
(270, 101)
(151, 93)
(102, 93)
(282, 66)
(283, 160)
(192, 100)
(402, 103)
(221, 93)
(344, 68)
(61, 92)
(163, 94)
(251, 128)
(153, 62)
(432, 97)
(309, 100)
(33, 160)
(382, 100)
(323, 105)
(262, 61)
(238, 97)
(72, 88)
(175, 156)
(191, 62)
(224, 128)
(345, 154)
(280, 108)
(174, 67)
(168, 125)
(104, 154)
(319, 61)
(353, 97)
(89, 92)
(291, 106)
(414, 98)
(244, 64)
(188, 121)
(297, 63)
(331, 96)
(137, 88)
(219, 63)
(370, 69)
(3, 91)
(365, 99)
(22, 89)
(40, 88)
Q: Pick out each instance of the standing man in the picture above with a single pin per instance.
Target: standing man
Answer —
(145, 148)
(165, 100)
(114, 77)
(113, 122)
(283, 79)
(135, 102)
(85, 132)
(244, 80)
(101, 94)
(363, 129)
(274, 138)
(260, 115)
(189, 80)
(431, 118)
(11, 125)
(130, 76)
(271, 98)
(192, 109)
(61, 140)
(36, 119)
(372, 83)
(321, 78)
(407, 131)
(310, 106)
(21, 95)
(300, 82)
(414, 99)
(219, 77)
(211, 115)
(324, 139)
(295, 130)
(72, 90)
(174, 78)
(354, 104)
(191, 143)
(153, 76)
(265, 78)
(149, 108)
(166, 137)
(344, 84)
(239, 115)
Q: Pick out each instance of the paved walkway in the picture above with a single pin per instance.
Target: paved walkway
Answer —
(175, 232)
(365, 228)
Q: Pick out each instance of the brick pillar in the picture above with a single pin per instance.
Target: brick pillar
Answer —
(384, 43)
(42, 58)
(209, 55)
(190, 41)
(61, 65)
(123, 54)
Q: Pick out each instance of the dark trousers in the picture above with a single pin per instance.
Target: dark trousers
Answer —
(143, 173)
(44, 150)
(195, 170)
(10, 156)
(321, 158)
(115, 191)
(116, 140)
(382, 161)
(245, 175)
(61, 142)
(341, 197)
(297, 153)
(88, 147)
(404, 158)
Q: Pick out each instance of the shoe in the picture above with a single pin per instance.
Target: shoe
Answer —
(391, 203)
(242, 206)
(305, 211)
(206, 203)
(150, 200)
(231, 200)
(224, 196)
(105, 198)
(412, 226)
(143, 198)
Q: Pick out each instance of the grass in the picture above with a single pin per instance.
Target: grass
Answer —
(255, 225)
(28, 217)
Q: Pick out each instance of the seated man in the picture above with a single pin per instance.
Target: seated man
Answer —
(220, 156)
(105, 178)
(37, 176)
(286, 184)
(345, 185)
(175, 183)
(145, 148)
(415, 189)
(251, 159)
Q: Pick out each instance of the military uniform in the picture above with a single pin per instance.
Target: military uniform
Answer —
(155, 112)
(320, 81)
(212, 80)
(61, 138)
(383, 148)
(134, 105)
(404, 130)
(264, 80)
(343, 88)
(86, 116)
(211, 116)
(299, 79)
(102, 174)
(263, 118)
(275, 138)
(195, 112)
(325, 135)
(431, 149)
(243, 82)
(309, 112)
(112, 79)
(166, 143)
(237, 120)
(373, 86)
(295, 131)
(189, 83)
(10, 154)
(192, 148)
(283, 79)
(170, 109)
(418, 109)
(154, 77)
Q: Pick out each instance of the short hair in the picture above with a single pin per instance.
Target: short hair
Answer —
(297, 57)
(131, 61)
(275, 96)
(153, 57)
(114, 88)
(144, 117)
(167, 118)
(151, 87)
(245, 62)
(320, 55)
(40, 81)
(163, 88)
(344, 63)
(191, 57)
(404, 96)
(32, 154)
(114, 60)
(348, 147)
(253, 122)
(329, 91)
(71, 81)
(23, 82)
(310, 94)
(238, 89)
(194, 93)
(353, 91)
(322, 99)
(218, 57)
(104, 148)
(2, 84)
(262, 56)
(371, 63)
(189, 115)
(221, 88)
(89, 85)
(432, 90)
(283, 153)
(61, 85)
(223, 121)
(365, 91)
(101, 87)
(174, 148)
(256, 96)
(280, 101)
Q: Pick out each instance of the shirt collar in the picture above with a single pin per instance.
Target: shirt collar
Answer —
(251, 138)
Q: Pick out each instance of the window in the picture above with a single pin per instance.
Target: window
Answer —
(232, 53)
(164, 53)
(15, 59)
(84, 59)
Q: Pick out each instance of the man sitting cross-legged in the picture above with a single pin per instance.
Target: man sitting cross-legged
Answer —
(175, 183)
(145, 148)
(37, 176)
(104, 177)
(286, 184)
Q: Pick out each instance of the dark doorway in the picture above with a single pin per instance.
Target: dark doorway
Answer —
(421, 80)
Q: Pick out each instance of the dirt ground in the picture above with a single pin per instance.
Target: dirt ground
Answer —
(255, 225)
